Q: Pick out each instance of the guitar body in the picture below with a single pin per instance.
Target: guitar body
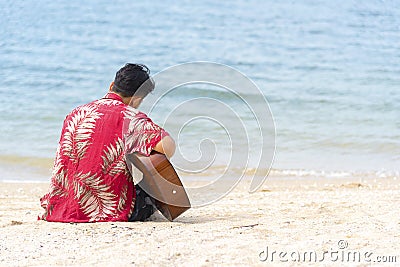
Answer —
(161, 182)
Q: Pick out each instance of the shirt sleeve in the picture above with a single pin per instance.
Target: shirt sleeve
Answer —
(143, 134)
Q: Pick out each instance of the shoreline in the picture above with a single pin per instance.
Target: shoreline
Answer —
(26, 172)
(38, 169)
(305, 214)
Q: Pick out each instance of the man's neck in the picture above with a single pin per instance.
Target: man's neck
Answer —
(125, 100)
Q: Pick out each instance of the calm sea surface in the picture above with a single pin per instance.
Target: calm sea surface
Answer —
(329, 69)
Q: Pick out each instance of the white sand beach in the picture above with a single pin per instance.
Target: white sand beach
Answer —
(300, 215)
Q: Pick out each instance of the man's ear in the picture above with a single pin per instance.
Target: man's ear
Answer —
(111, 86)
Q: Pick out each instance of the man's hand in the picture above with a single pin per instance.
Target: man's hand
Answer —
(166, 146)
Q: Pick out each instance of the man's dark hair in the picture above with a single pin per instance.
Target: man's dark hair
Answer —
(130, 78)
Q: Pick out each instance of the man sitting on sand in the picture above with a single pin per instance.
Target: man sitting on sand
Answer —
(90, 180)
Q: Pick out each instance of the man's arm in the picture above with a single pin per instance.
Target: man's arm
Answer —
(166, 146)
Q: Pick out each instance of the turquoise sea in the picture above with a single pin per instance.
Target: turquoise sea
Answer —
(330, 71)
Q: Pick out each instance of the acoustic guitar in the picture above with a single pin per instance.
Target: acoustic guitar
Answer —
(161, 182)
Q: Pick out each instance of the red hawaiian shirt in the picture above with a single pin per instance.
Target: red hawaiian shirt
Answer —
(90, 180)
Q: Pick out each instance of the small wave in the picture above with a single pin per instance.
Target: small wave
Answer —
(291, 173)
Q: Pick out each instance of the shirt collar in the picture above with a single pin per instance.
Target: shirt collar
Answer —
(113, 96)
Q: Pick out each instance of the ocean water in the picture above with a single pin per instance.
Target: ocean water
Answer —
(330, 71)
